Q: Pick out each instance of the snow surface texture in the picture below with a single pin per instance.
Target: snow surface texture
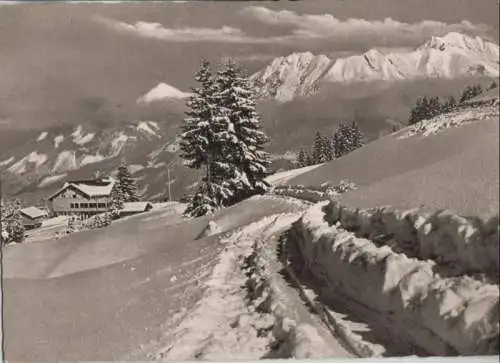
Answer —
(465, 245)
(223, 324)
(161, 92)
(451, 56)
(456, 118)
(439, 315)
(283, 177)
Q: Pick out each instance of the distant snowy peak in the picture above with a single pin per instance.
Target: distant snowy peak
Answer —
(452, 56)
(161, 92)
(463, 42)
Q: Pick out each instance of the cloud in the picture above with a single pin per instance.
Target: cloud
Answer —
(185, 34)
(323, 26)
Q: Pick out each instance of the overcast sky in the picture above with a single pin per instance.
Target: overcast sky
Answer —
(68, 62)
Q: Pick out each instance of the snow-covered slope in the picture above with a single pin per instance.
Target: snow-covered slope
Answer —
(452, 56)
(162, 91)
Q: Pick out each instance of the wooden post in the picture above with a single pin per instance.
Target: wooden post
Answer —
(169, 191)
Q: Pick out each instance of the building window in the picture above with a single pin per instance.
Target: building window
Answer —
(92, 205)
(84, 205)
(102, 205)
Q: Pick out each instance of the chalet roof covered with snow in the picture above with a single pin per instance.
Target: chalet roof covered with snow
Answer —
(136, 206)
(91, 188)
(33, 212)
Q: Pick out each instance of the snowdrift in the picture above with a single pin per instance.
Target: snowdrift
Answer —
(469, 245)
(436, 315)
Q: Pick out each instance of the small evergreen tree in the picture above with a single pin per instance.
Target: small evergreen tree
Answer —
(347, 138)
(434, 107)
(14, 227)
(329, 152)
(450, 104)
(201, 203)
(356, 137)
(470, 92)
(309, 159)
(318, 151)
(340, 140)
(126, 183)
(415, 112)
(493, 85)
(302, 158)
(117, 200)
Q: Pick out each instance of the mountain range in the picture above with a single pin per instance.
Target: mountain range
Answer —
(452, 56)
(37, 163)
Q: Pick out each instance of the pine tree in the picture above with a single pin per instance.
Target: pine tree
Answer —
(302, 158)
(329, 152)
(434, 107)
(450, 104)
(117, 200)
(347, 138)
(201, 145)
(358, 139)
(126, 183)
(415, 112)
(14, 227)
(470, 92)
(493, 85)
(243, 164)
(201, 203)
(318, 152)
(309, 159)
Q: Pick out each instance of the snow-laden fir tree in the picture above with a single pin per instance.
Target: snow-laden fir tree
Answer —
(244, 160)
(356, 138)
(118, 199)
(201, 145)
(126, 183)
(329, 152)
(302, 158)
(340, 140)
(470, 92)
(449, 104)
(318, 151)
(14, 227)
(347, 138)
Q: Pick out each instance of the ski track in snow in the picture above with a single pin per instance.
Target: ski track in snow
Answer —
(207, 333)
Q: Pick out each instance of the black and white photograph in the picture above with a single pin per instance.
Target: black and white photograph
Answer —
(247, 180)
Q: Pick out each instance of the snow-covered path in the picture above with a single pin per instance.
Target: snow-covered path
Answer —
(232, 322)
